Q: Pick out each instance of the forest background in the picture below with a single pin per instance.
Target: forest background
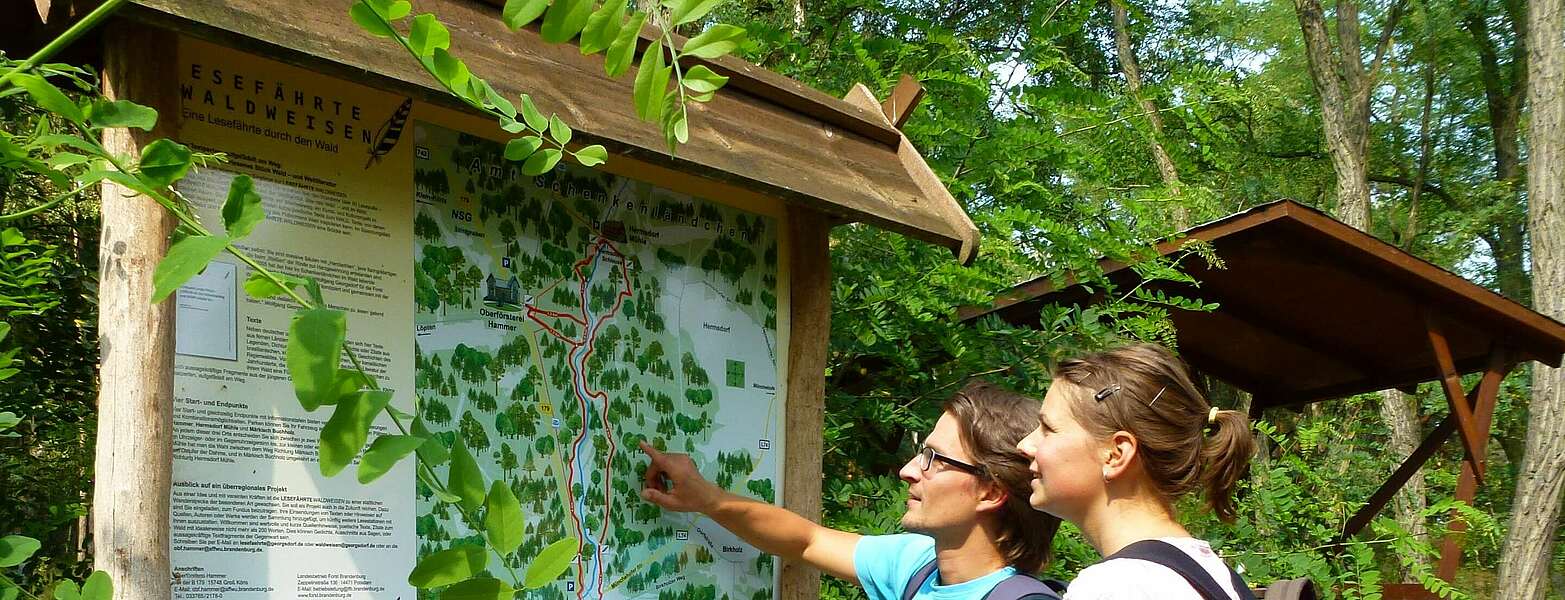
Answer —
(1069, 131)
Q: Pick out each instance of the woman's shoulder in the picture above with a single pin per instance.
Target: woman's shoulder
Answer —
(1128, 579)
(1135, 579)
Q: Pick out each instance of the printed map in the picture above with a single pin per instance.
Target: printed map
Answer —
(563, 318)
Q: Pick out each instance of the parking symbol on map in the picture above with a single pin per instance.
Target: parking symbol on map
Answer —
(505, 261)
(556, 422)
(766, 444)
(570, 586)
(681, 534)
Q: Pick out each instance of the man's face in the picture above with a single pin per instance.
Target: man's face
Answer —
(943, 497)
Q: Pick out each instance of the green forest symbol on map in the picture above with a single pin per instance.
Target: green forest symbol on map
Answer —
(563, 318)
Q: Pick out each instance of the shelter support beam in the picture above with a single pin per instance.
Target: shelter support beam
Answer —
(134, 464)
(809, 257)
(1473, 438)
(904, 98)
(1488, 393)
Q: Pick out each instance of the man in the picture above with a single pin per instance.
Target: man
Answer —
(970, 525)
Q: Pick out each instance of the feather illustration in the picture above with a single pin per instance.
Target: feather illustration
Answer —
(390, 132)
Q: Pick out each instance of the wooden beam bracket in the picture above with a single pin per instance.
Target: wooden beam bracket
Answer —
(1473, 439)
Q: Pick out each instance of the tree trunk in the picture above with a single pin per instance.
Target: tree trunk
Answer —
(1344, 86)
(1535, 508)
(1504, 102)
(133, 470)
(1401, 417)
(1128, 66)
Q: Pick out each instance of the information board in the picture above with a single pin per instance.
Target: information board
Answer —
(548, 323)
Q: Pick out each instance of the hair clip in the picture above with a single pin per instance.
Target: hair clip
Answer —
(1106, 392)
(1159, 395)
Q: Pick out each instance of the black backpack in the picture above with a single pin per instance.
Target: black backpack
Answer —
(1163, 553)
(1016, 587)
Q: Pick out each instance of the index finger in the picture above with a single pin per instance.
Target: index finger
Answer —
(650, 450)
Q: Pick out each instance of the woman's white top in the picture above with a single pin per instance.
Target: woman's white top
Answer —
(1136, 579)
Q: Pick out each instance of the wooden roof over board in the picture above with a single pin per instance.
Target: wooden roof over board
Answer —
(1312, 309)
(763, 132)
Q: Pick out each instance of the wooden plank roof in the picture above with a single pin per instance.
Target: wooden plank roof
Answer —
(762, 132)
(1312, 309)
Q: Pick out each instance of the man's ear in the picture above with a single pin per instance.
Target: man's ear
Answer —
(1119, 452)
(992, 497)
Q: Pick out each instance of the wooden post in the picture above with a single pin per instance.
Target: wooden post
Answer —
(1467, 484)
(809, 268)
(1467, 429)
(134, 464)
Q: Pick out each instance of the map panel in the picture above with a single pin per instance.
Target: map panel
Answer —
(563, 318)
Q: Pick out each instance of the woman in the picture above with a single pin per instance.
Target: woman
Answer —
(1121, 435)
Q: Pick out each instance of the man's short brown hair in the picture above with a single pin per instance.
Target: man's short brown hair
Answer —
(991, 421)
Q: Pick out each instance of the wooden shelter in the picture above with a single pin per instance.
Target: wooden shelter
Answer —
(765, 140)
(1311, 309)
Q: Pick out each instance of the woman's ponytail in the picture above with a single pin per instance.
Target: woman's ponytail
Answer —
(1225, 459)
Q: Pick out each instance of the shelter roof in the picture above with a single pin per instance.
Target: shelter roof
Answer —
(1312, 309)
(763, 132)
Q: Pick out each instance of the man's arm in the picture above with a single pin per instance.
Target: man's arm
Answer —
(772, 529)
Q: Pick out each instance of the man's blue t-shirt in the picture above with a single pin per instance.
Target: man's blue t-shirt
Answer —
(885, 563)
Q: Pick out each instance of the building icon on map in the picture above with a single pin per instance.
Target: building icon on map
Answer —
(503, 292)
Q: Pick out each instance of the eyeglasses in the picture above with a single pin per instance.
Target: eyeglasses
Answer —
(927, 456)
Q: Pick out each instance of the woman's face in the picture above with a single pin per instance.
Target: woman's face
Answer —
(1067, 460)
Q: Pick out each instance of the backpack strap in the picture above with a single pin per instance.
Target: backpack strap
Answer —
(1022, 587)
(1165, 554)
(917, 580)
(1015, 587)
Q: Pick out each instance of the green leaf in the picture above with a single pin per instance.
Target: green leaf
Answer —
(315, 338)
(499, 102)
(66, 589)
(98, 587)
(163, 162)
(48, 96)
(532, 115)
(447, 567)
(651, 83)
(344, 434)
(623, 50)
(592, 156)
(559, 130)
(550, 563)
(259, 287)
(242, 211)
(449, 69)
(564, 20)
(384, 453)
(518, 13)
(393, 10)
(8, 420)
(479, 588)
(185, 259)
(702, 80)
(370, 22)
(602, 27)
(714, 42)
(522, 147)
(503, 519)
(67, 159)
(465, 480)
(432, 452)
(541, 162)
(428, 35)
(121, 113)
(687, 11)
(8, 593)
(16, 548)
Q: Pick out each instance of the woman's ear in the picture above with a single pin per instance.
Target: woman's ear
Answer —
(1119, 452)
